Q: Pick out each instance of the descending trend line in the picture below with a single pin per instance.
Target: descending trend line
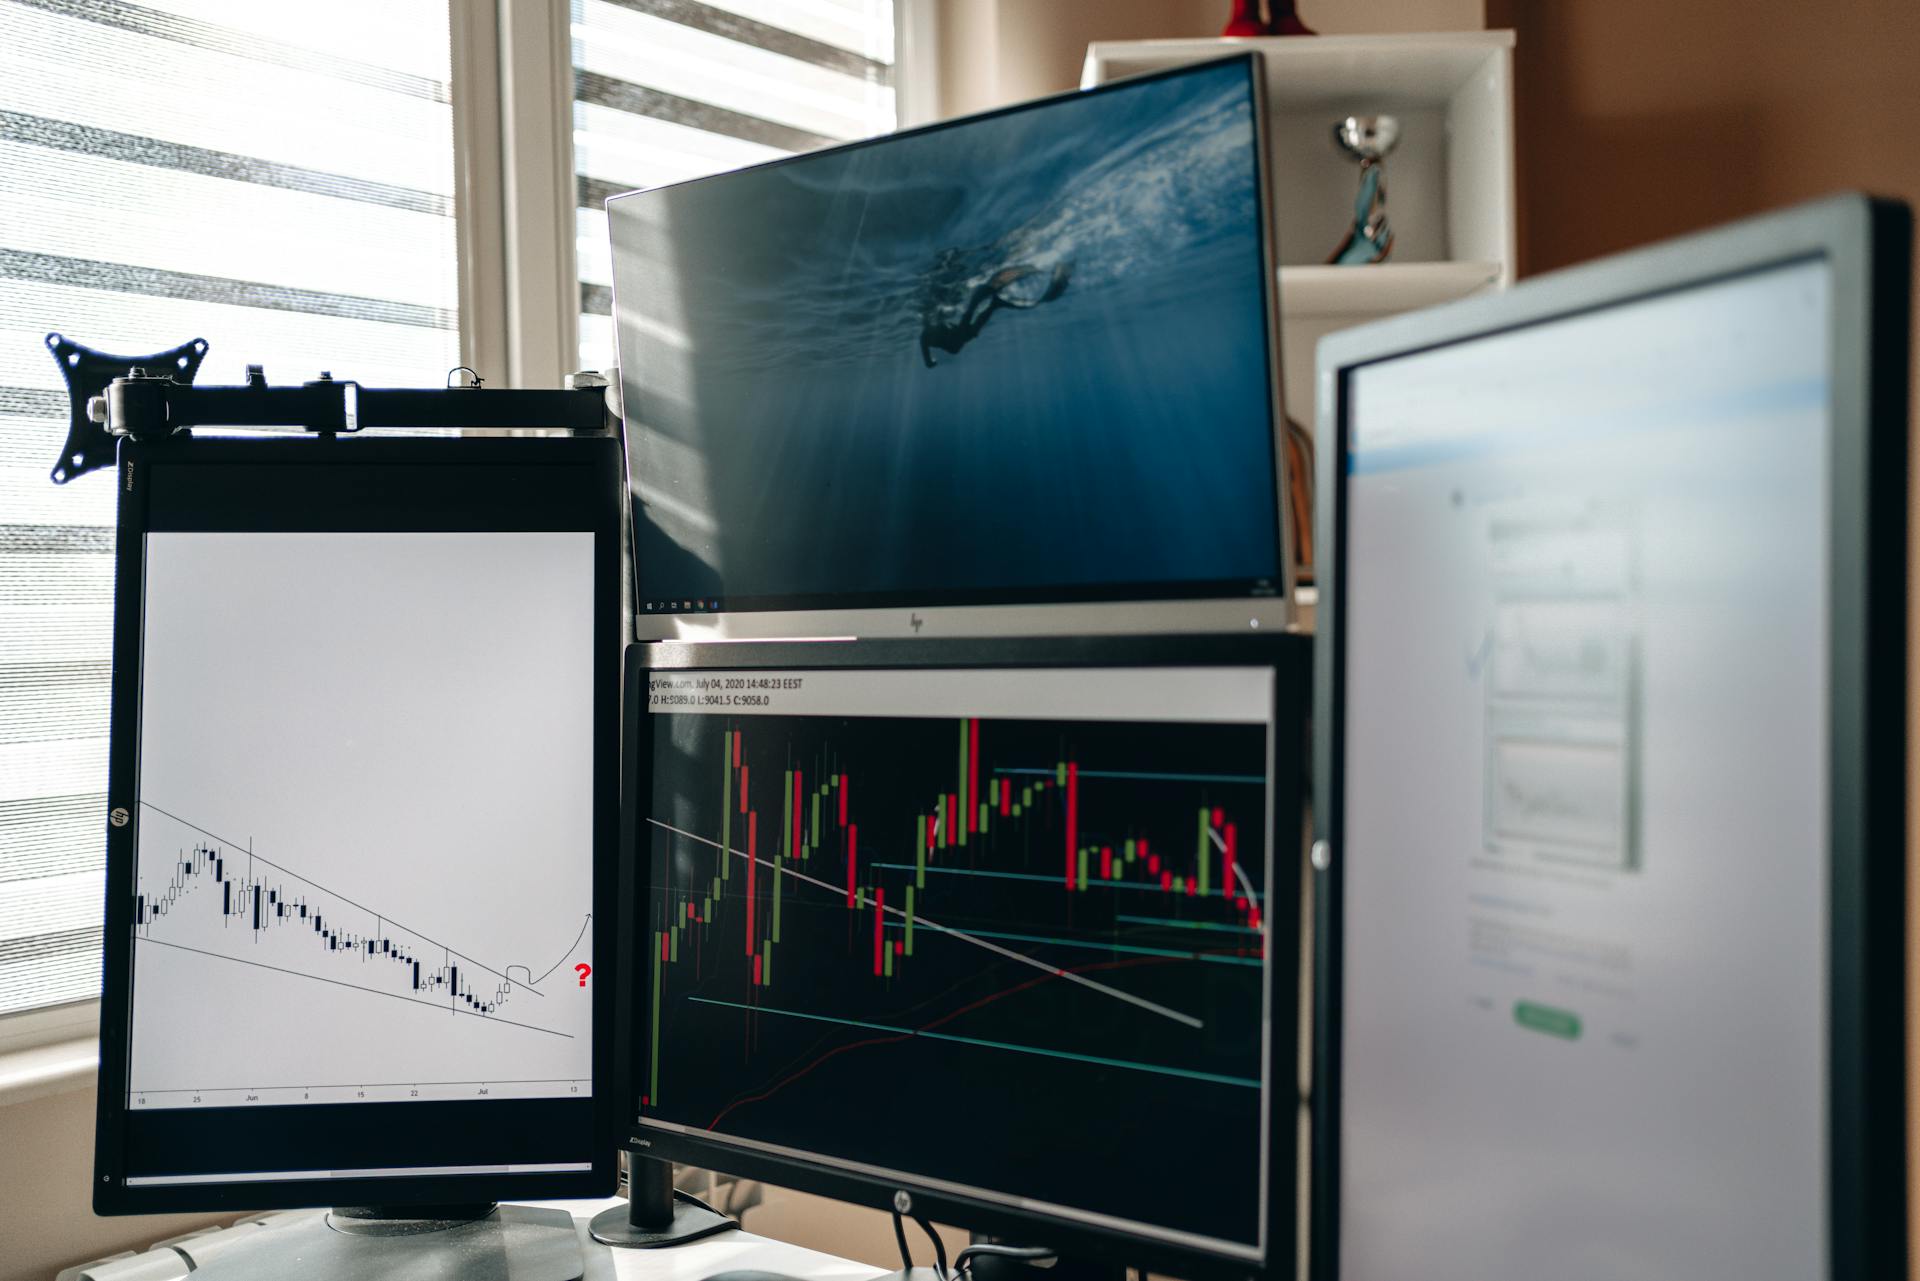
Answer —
(260, 904)
(1225, 845)
(962, 935)
(903, 1033)
(371, 991)
(256, 858)
(1107, 945)
(800, 1071)
(261, 907)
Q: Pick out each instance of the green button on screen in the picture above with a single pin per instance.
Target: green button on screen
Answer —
(1545, 1018)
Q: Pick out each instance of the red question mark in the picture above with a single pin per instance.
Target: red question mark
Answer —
(583, 971)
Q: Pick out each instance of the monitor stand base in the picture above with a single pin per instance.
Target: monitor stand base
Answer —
(470, 1243)
(655, 1215)
(691, 1220)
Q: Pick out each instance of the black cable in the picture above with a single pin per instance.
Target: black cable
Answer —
(939, 1247)
(1028, 1253)
(900, 1235)
(691, 1199)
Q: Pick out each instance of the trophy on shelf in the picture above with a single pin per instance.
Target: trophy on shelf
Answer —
(1367, 139)
(1280, 19)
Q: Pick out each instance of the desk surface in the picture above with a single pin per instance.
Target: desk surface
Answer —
(695, 1261)
(700, 1259)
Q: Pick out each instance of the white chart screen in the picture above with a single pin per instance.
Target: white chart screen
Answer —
(1585, 796)
(365, 841)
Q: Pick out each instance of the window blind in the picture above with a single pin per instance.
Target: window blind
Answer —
(666, 90)
(276, 179)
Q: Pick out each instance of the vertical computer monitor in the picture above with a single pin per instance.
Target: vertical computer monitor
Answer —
(1007, 929)
(361, 822)
(1014, 373)
(1611, 765)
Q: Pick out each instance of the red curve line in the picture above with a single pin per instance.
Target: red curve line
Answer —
(989, 999)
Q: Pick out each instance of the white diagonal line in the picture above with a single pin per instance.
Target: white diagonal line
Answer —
(950, 932)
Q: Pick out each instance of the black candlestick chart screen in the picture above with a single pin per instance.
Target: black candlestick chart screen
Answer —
(998, 930)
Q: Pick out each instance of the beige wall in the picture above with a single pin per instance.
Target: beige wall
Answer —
(46, 1198)
(993, 52)
(1639, 119)
(850, 1231)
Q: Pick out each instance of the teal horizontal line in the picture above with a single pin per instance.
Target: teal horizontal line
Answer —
(817, 1018)
(1056, 879)
(1101, 1060)
(1098, 945)
(1146, 774)
(1059, 879)
(1187, 925)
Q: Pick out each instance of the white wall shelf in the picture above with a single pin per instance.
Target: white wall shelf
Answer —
(1450, 186)
(1381, 289)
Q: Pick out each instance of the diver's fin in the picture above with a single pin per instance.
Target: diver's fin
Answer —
(1004, 279)
(926, 353)
(981, 304)
(1058, 285)
(1010, 275)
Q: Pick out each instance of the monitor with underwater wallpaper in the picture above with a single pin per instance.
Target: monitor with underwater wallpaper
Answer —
(1010, 373)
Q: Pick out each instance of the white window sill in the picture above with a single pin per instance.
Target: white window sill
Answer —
(48, 1069)
(49, 1051)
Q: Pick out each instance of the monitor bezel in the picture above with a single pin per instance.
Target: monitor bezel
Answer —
(321, 470)
(1867, 245)
(1290, 657)
(1182, 606)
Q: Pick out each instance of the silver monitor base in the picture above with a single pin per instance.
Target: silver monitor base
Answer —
(513, 1243)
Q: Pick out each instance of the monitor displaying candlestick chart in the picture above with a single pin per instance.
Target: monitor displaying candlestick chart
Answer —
(363, 845)
(1002, 932)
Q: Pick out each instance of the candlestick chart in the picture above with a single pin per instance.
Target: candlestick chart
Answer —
(253, 952)
(962, 946)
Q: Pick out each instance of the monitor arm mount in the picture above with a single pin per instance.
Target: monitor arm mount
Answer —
(154, 397)
(153, 405)
(150, 406)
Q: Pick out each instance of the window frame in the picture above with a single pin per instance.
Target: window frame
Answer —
(50, 1048)
(519, 247)
(511, 74)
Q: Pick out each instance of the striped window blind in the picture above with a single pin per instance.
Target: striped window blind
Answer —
(666, 90)
(275, 178)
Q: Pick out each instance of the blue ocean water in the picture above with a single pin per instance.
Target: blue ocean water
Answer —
(1022, 353)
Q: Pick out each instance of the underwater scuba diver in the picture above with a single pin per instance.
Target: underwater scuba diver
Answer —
(960, 296)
